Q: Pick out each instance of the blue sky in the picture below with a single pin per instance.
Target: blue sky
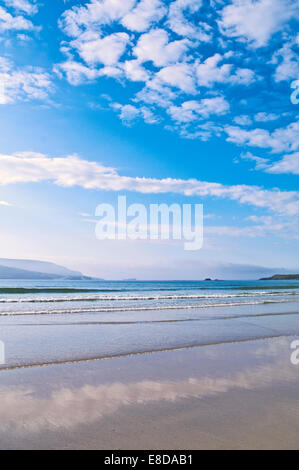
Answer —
(163, 101)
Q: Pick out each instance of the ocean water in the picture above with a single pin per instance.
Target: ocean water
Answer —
(75, 297)
(50, 322)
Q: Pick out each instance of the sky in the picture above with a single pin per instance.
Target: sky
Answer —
(163, 101)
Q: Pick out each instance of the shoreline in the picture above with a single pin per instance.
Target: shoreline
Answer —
(141, 353)
(39, 341)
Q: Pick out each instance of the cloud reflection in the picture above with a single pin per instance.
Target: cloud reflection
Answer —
(65, 408)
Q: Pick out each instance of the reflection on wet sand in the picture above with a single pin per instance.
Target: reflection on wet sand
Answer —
(30, 409)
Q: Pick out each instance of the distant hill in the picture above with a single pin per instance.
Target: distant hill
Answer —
(13, 273)
(30, 269)
(281, 277)
(38, 266)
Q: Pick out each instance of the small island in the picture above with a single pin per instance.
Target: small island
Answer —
(281, 277)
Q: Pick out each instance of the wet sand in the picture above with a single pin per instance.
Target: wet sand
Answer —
(59, 339)
(227, 396)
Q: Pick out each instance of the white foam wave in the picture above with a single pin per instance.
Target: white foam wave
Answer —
(132, 309)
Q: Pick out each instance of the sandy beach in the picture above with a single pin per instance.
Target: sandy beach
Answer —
(232, 396)
(149, 366)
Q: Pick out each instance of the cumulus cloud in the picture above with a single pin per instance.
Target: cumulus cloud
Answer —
(286, 59)
(193, 110)
(265, 117)
(288, 164)
(161, 47)
(156, 93)
(257, 20)
(26, 6)
(155, 47)
(281, 140)
(178, 75)
(107, 50)
(243, 120)
(210, 72)
(94, 14)
(9, 22)
(76, 72)
(260, 162)
(179, 23)
(135, 71)
(144, 15)
(22, 84)
(72, 171)
(129, 113)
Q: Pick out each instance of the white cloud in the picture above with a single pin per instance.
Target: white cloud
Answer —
(288, 164)
(180, 76)
(27, 6)
(72, 171)
(34, 167)
(9, 22)
(156, 93)
(260, 163)
(107, 50)
(257, 20)
(6, 204)
(243, 120)
(129, 113)
(179, 23)
(265, 117)
(111, 71)
(144, 14)
(158, 45)
(75, 72)
(5, 64)
(135, 71)
(203, 131)
(22, 84)
(94, 14)
(281, 140)
(187, 112)
(193, 110)
(264, 226)
(242, 77)
(210, 72)
(287, 59)
(155, 47)
(149, 116)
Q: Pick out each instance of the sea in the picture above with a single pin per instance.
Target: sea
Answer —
(70, 297)
(50, 322)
